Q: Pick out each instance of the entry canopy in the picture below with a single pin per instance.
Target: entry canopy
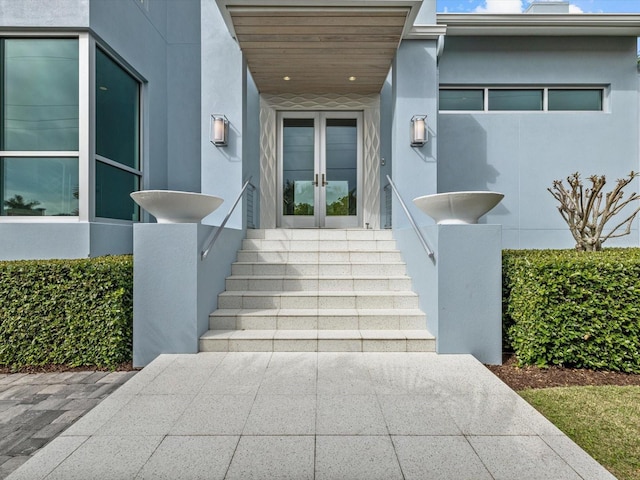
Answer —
(312, 46)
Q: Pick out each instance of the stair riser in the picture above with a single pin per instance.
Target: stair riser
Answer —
(325, 269)
(311, 345)
(317, 322)
(315, 245)
(244, 300)
(318, 257)
(312, 234)
(329, 285)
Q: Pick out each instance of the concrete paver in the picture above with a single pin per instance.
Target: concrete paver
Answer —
(340, 415)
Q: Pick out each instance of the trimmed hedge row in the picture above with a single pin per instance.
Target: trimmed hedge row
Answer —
(66, 312)
(575, 309)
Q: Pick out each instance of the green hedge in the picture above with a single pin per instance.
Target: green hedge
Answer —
(66, 312)
(572, 308)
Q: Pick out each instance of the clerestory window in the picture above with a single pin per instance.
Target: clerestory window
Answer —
(530, 99)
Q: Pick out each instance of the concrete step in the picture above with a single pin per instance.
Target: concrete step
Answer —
(317, 299)
(318, 290)
(318, 245)
(319, 234)
(317, 341)
(318, 283)
(318, 256)
(317, 319)
(321, 269)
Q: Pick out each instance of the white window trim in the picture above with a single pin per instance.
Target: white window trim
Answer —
(85, 127)
(605, 89)
(39, 153)
(82, 63)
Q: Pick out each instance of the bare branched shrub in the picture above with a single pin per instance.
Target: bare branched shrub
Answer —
(587, 210)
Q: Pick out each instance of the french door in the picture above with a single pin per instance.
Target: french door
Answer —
(319, 169)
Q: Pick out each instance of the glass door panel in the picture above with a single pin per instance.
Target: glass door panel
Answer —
(298, 170)
(341, 167)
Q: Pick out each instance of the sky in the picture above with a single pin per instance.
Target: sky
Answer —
(517, 6)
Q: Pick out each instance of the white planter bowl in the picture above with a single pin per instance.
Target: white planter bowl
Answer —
(458, 208)
(171, 206)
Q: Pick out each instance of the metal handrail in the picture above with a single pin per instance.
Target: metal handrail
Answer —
(211, 240)
(424, 243)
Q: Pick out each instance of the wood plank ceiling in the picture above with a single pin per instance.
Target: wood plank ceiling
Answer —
(319, 50)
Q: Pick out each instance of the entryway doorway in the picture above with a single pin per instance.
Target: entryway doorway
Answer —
(319, 169)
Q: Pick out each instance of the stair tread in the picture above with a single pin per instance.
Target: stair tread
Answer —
(319, 293)
(319, 334)
(329, 262)
(337, 312)
(314, 277)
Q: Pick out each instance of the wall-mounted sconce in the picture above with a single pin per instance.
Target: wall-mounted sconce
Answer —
(219, 130)
(419, 131)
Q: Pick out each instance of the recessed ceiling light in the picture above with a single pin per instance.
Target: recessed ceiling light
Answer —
(286, 78)
(352, 79)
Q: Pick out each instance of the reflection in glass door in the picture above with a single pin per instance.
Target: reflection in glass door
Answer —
(319, 158)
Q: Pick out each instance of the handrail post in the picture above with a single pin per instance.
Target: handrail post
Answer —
(424, 243)
(211, 240)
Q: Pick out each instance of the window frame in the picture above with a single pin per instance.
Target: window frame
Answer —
(94, 158)
(85, 154)
(82, 126)
(604, 89)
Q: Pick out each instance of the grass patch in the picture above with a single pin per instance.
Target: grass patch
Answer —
(604, 421)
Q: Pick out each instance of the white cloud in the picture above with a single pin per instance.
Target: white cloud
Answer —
(512, 6)
(500, 6)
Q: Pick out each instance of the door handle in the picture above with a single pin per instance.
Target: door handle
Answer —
(315, 182)
(324, 183)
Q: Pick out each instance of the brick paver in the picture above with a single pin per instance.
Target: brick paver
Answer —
(36, 408)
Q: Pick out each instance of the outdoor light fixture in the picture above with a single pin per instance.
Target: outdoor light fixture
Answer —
(418, 130)
(219, 130)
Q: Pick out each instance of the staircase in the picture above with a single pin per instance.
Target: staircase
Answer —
(318, 290)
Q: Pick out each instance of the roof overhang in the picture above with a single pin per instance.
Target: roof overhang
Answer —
(529, 24)
(330, 46)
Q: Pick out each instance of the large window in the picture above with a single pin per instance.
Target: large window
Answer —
(39, 127)
(510, 99)
(117, 140)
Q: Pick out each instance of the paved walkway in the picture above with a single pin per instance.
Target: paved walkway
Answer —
(35, 408)
(312, 415)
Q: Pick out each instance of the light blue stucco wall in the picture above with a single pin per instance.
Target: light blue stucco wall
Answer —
(414, 169)
(161, 43)
(174, 290)
(52, 13)
(183, 95)
(460, 288)
(223, 87)
(520, 154)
